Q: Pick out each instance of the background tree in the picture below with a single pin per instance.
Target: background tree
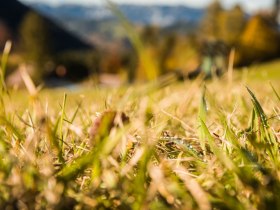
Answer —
(130, 61)
(150, 35)
(259, 41)
(222, 25)
(232, 24)
(168, 46)
(36, 43)
(210, 27)
(276, 9)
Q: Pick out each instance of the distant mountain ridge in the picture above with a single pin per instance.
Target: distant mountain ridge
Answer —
(162, 15)
(12, 12)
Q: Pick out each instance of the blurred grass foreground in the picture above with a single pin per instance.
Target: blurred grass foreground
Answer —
(163, 144)
(160, 145)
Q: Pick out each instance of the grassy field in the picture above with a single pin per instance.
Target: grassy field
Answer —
(262, 72)
(161, 145)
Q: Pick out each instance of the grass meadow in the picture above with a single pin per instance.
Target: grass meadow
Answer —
(161, 145)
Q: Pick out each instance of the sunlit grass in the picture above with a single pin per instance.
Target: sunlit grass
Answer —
(265, 71)
(162, 145)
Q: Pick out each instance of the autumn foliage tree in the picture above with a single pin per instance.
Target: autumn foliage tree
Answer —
(222, 25)
(255, 39)
(259, 41)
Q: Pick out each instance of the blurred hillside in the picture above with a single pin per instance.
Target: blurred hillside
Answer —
(12, 14)
(97, 20)
(41, 43)
(140, 14)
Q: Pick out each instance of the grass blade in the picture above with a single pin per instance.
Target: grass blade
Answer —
(275, 92)
(202, 113)
(258, 109)
(223, 158)
(11, 127)
(62, 116)
(4, 61)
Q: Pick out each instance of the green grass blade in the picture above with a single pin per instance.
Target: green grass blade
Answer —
(275, 92)
(103, 146)
(202, 113)
(62, 116)
(4, 62)
(140, 190)
(71, 171)
(258, 109)
(265, 134)
(11, 127)
(75, 113)
(223, 158)
(54, 140)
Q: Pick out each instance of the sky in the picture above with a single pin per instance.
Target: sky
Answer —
(249, 5)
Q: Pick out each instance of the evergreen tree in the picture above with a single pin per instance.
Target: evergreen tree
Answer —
(276, 10)
(150, 35)
(210, 27)
(169, 44)
(35, 42)
(223, 25)
(232, 24)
